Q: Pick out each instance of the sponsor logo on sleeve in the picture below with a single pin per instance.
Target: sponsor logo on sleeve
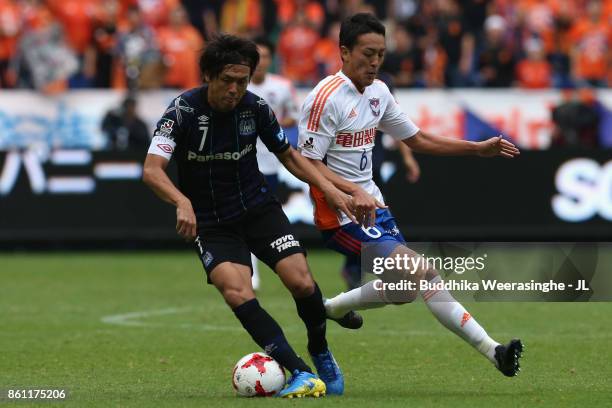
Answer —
(281, 136)
(308, 144)
(160, 133)
(165, 147)
(166, 126)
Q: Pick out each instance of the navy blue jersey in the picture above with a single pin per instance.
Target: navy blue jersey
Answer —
(216, 155)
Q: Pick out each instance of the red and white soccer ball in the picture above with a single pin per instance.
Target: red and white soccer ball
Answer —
(258, 374)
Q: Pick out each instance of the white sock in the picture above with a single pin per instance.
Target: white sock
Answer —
(364, 297)
(454, 317)
(255, 281)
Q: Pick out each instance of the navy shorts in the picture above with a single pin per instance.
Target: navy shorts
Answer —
(265, 231)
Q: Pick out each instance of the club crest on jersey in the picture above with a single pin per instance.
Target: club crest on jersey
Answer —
(375, 106)
(246, 127)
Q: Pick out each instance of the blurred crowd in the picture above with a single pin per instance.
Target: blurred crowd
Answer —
(53, 45)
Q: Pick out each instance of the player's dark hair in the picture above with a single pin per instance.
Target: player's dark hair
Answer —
(356, 25)
(227, 49)
(264, 42)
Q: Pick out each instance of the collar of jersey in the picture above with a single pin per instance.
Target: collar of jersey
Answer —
(350, 83)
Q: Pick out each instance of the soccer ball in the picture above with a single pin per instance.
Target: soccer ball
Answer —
(258, 374)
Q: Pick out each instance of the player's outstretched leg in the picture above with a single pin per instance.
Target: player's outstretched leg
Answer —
(452, 315)
(293, 271)
(234, 283)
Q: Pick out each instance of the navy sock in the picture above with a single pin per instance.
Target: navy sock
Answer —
(268, 335)
(312, 312)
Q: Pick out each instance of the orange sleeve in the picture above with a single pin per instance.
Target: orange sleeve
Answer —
(325, 218)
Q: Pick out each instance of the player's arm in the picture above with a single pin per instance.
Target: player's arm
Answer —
(364, 204)
(397, 124)
(276, 141)
(427, 143)
(168, 134)
(302, 168)
(154, 175)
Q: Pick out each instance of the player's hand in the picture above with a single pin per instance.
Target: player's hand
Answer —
(185, 220)
(365, 207)
(341, 202)
(497, 146)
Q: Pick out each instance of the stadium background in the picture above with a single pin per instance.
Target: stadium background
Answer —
(141, 328)
(535, 70)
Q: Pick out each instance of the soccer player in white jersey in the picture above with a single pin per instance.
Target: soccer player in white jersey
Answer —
(337, 125)
(279, 93)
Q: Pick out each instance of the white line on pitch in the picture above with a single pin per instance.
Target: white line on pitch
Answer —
(132, 319)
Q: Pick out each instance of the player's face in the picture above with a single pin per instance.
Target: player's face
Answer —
(265, 59)
(228, 88)
(361, 64)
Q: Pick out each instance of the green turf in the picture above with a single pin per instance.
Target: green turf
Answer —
(63, 324)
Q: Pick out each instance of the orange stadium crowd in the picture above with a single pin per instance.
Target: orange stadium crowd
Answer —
(53, 45)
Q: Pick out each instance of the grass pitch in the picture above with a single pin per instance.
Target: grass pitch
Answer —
(144, 330)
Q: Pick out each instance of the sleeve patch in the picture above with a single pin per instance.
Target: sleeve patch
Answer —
(162, 146)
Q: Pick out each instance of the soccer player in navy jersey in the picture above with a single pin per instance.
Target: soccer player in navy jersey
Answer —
(224, 204)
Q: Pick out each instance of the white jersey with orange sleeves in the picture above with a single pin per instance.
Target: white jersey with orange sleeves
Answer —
(279, 93)
(338, 123)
